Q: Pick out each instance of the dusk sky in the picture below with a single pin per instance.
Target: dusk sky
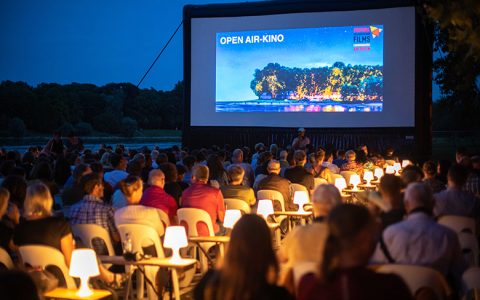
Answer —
(92, 41)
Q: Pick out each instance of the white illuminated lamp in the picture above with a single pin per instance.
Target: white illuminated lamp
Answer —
(397, 167)
(368, 176)
(405, 163)
(355, 180)
(390, 170)
(175, 238)
(340, 184)
(231, 217)
(84, 264)
(265, 208)
(300, 198)
(378, 173)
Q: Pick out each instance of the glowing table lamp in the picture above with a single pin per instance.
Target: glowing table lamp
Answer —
(341, 184)
(355, 180)
(265, 208)
(405, 163)
(397, 167)
(300, 198)
(368, 176)
(390, 170)
(84, 265)
(378, 173)
(175, 238)
(231, 217)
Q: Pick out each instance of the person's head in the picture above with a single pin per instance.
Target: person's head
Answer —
(135, 167)
(390, 186)
(161, 158)
(170, 172)
(118, 161)
(259, 147)
(188, 162)
(460, 153)
(132, 188)
(42, 170)
(97, 167)
(4, 197)
(200, 174)
(273, 167)
(38, 200)
(17, 186)
(476, 162)
(215, 166)
(350, 155)
(235, 174)
(92, 184)
(80, 171)
(340, 154)
(300, 157)
(411, 174)
(389, 151)
(364, 148)
(181, 170)
(156, 177)
(319, 156)
(248, 261)
(301, 132)
(283, 155)
(237, 156)
(264, 158)
(457, 176)
(325, 197)
(351, 241)
(429, 169)
(418, 195)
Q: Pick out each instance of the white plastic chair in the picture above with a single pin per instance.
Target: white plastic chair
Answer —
(142, 236)
(417, 277)
(469, 246)
(346, 175)
(5, 259)
(272, 195)
(459, 224)
(88, 233)
(233, 203)
(298, 187)
(44, 256)
(318, 181)
(164, 218)
(189, 218)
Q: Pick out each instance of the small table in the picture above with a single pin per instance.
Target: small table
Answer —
(292, 214)
(174, 266)
(219, 240)
(64, 293)
(368, 187)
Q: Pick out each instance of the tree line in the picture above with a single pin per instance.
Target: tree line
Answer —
(338, 82)
(86, 109)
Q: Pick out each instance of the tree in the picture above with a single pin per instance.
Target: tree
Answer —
(16, 127)
(83, 129)
(129, 126)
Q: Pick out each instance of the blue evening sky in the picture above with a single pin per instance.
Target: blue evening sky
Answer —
(301, 48)
(92, 41)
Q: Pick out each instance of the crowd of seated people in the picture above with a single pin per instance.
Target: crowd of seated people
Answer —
(113, 186)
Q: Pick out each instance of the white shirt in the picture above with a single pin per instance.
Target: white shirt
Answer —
(139, 214)
(456, 202)
(114, 177)
(419, 240)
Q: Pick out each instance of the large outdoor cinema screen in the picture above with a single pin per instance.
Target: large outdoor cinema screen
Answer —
(333, 69)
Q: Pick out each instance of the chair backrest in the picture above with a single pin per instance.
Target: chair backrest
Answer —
(5, 259)
(91, 236)
(471, 278)
(271, 195)
(318, 181)
(417, 277)
(44, 256)
(469, 246)
(459, 223)
(141, 236)
(346, 175)
(390, 162)
(164, 218)
(298, 187)
(190, 217)
(232, 203)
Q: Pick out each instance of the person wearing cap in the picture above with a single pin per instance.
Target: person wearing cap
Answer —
(301, 141)
(273, 181)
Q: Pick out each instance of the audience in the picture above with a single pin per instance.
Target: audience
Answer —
(277, 183)
(235, 189)
(352, 164)
(237, 159)
(201, 195)
(392, 208)
(431, 179)
(250, 268)
(155, 196)
(119, 164)
(343, 273)
(316, 167)
(298, 174)
(172, 186)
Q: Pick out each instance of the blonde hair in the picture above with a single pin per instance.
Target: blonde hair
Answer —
(4, 197)
(38, 200)
(130, 185)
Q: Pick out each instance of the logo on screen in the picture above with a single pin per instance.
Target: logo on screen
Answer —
(361, 38)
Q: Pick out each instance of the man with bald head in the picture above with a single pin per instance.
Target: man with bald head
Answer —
(275, 182)
(419, 240)
(237, 159)
(156, 197)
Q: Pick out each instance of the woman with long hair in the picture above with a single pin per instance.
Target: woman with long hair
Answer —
(250, 268)
(343, 272)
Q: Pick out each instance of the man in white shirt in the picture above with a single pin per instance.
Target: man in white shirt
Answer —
(419, 240)
(119, 164)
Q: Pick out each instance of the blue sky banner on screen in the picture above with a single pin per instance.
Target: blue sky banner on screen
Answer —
(327, 69)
